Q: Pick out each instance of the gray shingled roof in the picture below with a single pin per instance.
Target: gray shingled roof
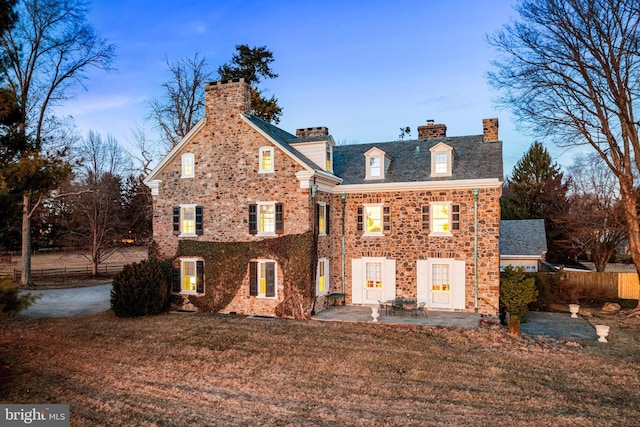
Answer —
(473, 159)
(526, 237)
(283, 138)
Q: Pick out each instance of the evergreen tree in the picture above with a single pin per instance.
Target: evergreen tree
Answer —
(536, 189)
(253, 64)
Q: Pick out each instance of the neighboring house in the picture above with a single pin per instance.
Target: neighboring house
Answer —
(260, 221)
(523, 243)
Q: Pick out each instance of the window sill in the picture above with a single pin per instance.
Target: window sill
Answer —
(266, 234)
(447, 234)
(265, 172)
(190, 293)
(376, 234)
(187, 235)
(187, 176)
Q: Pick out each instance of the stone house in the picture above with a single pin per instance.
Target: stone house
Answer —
(259, 221)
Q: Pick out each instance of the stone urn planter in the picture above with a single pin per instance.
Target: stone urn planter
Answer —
(574, 309)
(602, 331)
(375, 313)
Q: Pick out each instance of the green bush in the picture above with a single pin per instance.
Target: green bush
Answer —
(517, 292)
(10, 299)
(545, 282)
(140, 289)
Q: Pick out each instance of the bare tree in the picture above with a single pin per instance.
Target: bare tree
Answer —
(594, 220)
(95, 206)
(182, 104)
(570, 70)
(47, 53)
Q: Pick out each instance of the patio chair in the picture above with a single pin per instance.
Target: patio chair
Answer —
(384, 307)
(421, 308)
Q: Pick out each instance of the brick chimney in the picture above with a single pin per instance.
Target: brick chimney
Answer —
(432, 130)
(224, 99)
(489, 130)
(311, 132)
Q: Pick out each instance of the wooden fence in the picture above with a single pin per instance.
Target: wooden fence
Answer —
(41, 273)
(605, 285)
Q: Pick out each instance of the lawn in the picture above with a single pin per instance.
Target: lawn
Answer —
(203, 369)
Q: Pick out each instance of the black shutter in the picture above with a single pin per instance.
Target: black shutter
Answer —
(199, 220)
(270, 268)
(279, 218)
(253, 278)
(176, 220)
(425, 218)
(360, 220)
(253, 219)
(326, 219)
(455, 217)
(386, 218)
(200, 277)
(175, 280)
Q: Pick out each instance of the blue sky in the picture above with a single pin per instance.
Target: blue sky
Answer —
(363, 69)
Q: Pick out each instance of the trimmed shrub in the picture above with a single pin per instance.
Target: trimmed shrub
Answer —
(140, 289)
(516, 293)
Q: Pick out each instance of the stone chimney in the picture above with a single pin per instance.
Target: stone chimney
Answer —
(225, 99)
(432, 130)
(489, 130)
(311, 132)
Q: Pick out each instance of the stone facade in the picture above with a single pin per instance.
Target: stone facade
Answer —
(226, 181)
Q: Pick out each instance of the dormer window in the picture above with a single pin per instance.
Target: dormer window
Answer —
(377, 162)
(441, 160)
(266, 160)
(188, 165)
(328, 156)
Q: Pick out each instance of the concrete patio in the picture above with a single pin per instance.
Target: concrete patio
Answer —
(558, 325)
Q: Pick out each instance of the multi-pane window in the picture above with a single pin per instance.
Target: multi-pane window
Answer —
(442, 218)
(323, 218)
(187, 220)
(328, 158)
(266, 218)
(375, 166)
(188, 165)
(373, 218)
(266, 160)
(373, 275)
(442, 163)
(262, 279)
(322, 281)
(189, 276)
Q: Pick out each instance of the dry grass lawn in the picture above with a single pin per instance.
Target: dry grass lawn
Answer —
(204, 370)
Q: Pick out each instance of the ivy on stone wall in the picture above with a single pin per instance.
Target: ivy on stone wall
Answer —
(226, 265)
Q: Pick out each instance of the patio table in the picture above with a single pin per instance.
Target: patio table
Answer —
(403, 305)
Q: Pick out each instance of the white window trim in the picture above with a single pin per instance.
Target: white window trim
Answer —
(329, 150)
(432, 217)
(275, 278)
(195, 269)
(265, 233)
(182, 208)
(188, 158)
(441, 148)
(323, 209)
(324, 261)
(262, 151)
(364, 226)
(381, 160)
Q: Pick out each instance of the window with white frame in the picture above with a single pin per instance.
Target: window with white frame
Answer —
(441, 160)
(266, 160)
(373, 220)
(263, 278)
(322, 281)
(328, 156)
(189, 276)
(373, 275)
(266, 218)
(188, 165)
(444, 217)
(187, 220)
(322, 219)
(375, 166)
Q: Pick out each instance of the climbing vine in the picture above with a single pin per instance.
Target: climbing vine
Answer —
(226, 265)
